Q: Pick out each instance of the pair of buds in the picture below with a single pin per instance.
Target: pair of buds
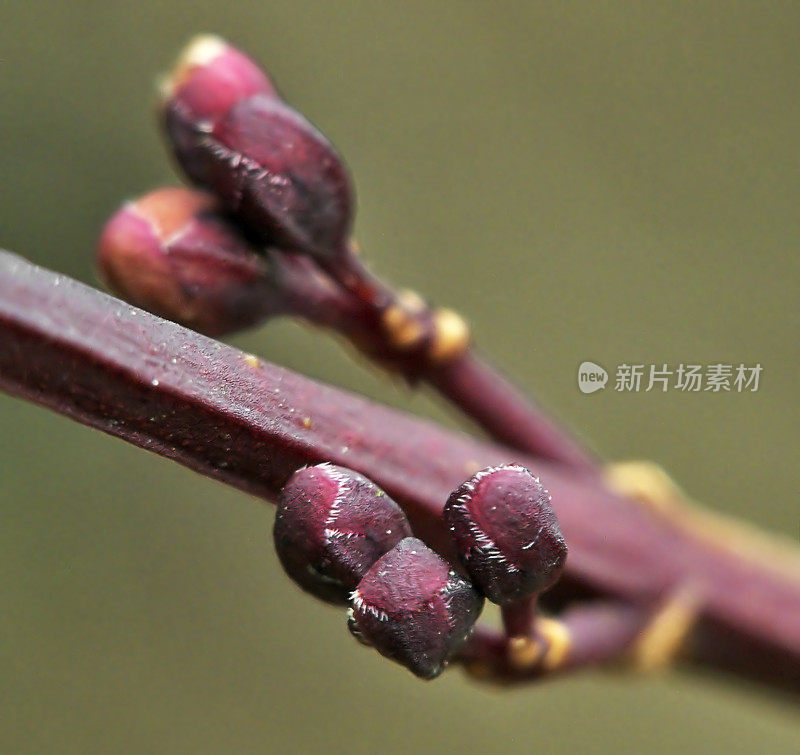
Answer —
(266, 229)
(342, 539)
(271, 193)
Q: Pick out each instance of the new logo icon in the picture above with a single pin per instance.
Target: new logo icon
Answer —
(591, 377)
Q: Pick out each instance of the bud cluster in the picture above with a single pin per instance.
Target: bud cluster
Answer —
(280, 191)
(274, 238)
(341, 538)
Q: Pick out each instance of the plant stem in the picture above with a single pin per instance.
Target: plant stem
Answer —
(591, 634)
(470, 383)
(518, 617)
(501, 409)
(250, 424)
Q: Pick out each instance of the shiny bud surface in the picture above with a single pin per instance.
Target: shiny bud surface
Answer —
(332, 524)
(273, 170)
(506, 533)
(414, 608)
(171, 253)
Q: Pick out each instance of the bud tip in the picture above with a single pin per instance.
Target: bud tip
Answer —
(201, 50)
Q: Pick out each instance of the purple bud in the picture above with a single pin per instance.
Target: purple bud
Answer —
(171, 253)
(506, 533)
(332, 524)
(270, 166)
(414, 608)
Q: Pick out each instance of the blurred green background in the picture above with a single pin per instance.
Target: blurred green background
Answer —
(612, 181)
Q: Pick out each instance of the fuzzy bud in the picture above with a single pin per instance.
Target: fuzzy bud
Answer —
(171, 253)
(414, 608)
(332, 524)
(506, 533)
(272, 169)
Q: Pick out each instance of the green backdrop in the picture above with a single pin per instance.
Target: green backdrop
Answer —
(611, 181)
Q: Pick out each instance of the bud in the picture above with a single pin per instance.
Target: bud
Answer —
(506, 533)
(270, 166)
(331, 526)
(414, 608)
(210, 77)
(172, 254)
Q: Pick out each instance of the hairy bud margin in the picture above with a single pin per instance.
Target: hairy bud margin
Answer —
(506, 533)
(331, 526)
(414, 608)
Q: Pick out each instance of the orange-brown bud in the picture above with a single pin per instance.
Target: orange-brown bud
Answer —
(171, 253)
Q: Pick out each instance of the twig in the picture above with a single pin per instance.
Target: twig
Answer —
(250, 424)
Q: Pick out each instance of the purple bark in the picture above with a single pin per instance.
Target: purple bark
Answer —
(251, 424)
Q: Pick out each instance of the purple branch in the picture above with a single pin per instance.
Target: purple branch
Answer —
(498, 406)
(599, 631)
(251, 424)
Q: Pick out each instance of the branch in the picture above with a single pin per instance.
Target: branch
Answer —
(588, 635)
(471, 384)
(250, 424)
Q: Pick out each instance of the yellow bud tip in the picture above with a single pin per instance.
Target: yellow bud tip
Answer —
(411, 301)
(251, 360)
(644, 481)
(200, 51)
(403, 328)
(664, 637)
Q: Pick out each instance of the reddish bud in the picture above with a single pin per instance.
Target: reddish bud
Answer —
(270, 166)
(332, 524)
(414, 608)
(506, 533)
(172, 254)
(210, 77)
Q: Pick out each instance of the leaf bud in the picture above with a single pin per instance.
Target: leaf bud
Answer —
(506, 533)
(414, 608)
(172, 253)
(332, 524)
